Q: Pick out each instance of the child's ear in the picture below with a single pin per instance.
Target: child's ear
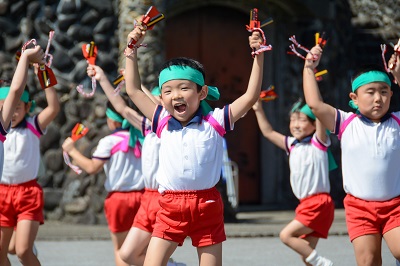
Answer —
(203, 92)
(28, 107)
(353, 96)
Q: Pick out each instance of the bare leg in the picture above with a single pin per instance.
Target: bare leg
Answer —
(312, 242)
(25, 235)
(118, 240)
(11, 246)
(290, 236)
(133, 250)
(392, 239)
(159, 251)
(5, 237)
(210, 255)
(367, 249)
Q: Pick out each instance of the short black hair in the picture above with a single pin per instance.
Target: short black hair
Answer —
(185, 61)
(296, 107)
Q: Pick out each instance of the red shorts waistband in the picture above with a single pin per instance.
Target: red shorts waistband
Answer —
(151, 190)
(128, 191)
(314, 195)
(189, 192)
(28, 183)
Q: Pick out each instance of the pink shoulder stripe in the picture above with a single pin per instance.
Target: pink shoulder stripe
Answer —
(396, 118)
(345, 124)
(214, 123)
(318, 145)
(33, 129)
(162, 124)
(123, 145)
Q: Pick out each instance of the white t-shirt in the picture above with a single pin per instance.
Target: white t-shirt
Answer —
(190, 157)
(123, 170)
(150, 160)
(22, 152)
(309, 170)
(370, 157)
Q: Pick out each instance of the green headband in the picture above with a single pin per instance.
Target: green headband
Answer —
(180, 72)
(24, 97)
(135, 134)
(369, 77)
(305, 110)
(5, 90)
(156, 91)
(114, 116)
(188, 73)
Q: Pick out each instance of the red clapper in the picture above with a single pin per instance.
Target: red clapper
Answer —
(256, 25)
(89, 51)
(268, 94)
(79, 131)
(149, 19)
(46, 76)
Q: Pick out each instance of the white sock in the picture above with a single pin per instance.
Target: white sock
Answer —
(312, 258)
(316, 260)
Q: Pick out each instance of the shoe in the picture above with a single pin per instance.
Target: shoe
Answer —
(324, 262)
(171, 262)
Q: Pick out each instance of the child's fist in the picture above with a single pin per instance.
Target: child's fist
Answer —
(255, 40)
(68, 145)
(313, 58)
(137, 34)
(95, 71)
(35, 55)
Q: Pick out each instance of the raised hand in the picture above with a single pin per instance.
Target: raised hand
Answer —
(255, 40)
(35, 55)
(313, 58)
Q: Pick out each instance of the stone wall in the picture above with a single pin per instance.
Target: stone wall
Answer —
(67, 196)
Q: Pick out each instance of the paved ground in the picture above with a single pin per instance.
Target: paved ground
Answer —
(252, 241)
(250, 224)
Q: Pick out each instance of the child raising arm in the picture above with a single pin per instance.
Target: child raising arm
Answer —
(119, 154)
(309, 179)
(21, 165)
(370, 142)
(190, 152)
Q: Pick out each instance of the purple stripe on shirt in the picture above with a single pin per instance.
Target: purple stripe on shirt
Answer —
(156, 118)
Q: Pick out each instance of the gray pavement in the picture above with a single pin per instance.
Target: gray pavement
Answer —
(252, 241)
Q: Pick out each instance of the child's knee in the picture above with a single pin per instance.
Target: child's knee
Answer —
(125, 255)
(284, 236)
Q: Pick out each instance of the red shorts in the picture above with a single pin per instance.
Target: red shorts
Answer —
(149, 206)
(198, 214)
(21, 202)
(120, 208)
(371, 217)
(316, 212)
